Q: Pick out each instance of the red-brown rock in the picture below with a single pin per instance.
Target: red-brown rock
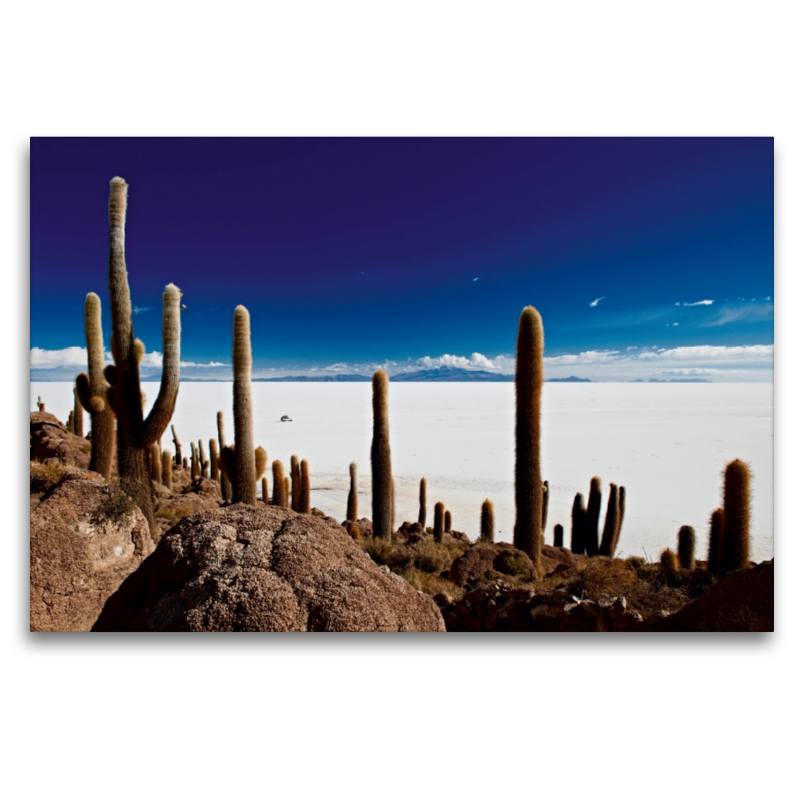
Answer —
(78, 556)
(264, 569)
(50, 439)
(485, 559)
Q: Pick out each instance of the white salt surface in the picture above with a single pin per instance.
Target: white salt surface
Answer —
(666, 443)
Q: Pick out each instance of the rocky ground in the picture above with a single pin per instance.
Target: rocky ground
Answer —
(210, 565)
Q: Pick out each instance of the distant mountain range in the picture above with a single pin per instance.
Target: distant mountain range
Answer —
(672, 380)
(440, 374)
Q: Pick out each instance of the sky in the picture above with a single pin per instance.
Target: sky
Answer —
(646, 257)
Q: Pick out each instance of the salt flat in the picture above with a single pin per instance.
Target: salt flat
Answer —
(666, 443)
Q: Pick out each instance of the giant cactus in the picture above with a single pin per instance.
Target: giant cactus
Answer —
(92, 390)
(244, 478)
(381, 459)
(528, 381)
(135, 433)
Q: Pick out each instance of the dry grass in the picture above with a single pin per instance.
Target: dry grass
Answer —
(430, 584)
(46, 474)
(173, 514)
(118, 504)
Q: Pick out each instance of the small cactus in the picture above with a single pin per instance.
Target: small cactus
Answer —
(423, 502)
(352, 497)
(438, 522)
(686, 540)
(39, 403)
(203, 460)
(155, 463)
(213, 458)
(487, 521)
(578, 535)
(166, 469)
(545, 503)
(448, 522)
(264, 492)
(287, 490)
(305, 488)
(278, 486)
(736, 532)
(716, 526)
(669, 566)
(558, 536)
(591, 530)
(224, 480)
(195, 462)
(261, 462)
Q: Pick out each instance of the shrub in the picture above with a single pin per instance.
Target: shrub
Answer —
(118, 504)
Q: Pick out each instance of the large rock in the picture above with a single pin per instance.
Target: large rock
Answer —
(79, 556)
(743, 600)
(264, 569)
(489, 561)
(50, 439)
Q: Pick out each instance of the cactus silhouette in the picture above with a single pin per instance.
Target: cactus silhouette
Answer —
(264, 491)
(92, 390)
(135, 434)
(620, 516)
(528, 381)
(224, 479)
(686, 540)
(423, 502)
(203, 460)
(593, 507)
(487, 521)
(294, 472)
(545, 505)
(381, 459)
(716, 528)
(178, 452)
(213, 458)
(352, 497)
(578, 534)
(244, 478)
(736, 506)
(166, 469)
(185, 463)
(558, 536)
(610, 526)
(448, 521)
(305, 488)
(77, 413)
(438, 522)
(278, 486)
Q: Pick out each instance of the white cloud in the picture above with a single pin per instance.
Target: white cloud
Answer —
(475, 361)
(698, 303)
(50, 359)
(759, 312)
(209, 364)
(595, 302)
(140, 309)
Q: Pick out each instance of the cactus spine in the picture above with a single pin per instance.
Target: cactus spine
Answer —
(294, 472)
(438, 522)
(92, 390)
(558, 536)
(423, 502)
(593, 516)
(77, 414)
(736, 532)
(166, 469)
(381, 459)
(716, 526)
(352, 497)
(528, 381)
(686, 541)
(213, 459)
(487, 521)
(578, 535)
(305, 489)
(135, 434)
(225, 481)
(244, 477)
(610, 526)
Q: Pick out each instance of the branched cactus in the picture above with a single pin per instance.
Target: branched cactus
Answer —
(381, 459)
(166, 469)
(244, 478)
(487, 521)
(610, 526)
(686, 540)
(225, 480)
(558, 536)
(529, 380)
(294, 473)
(438, 522)
(716, 526)
(423, 502)
(92, 390)
(352, 497)
(578, 535)
(305, 488)
(736, 533)
(135, 434)
(591, 531)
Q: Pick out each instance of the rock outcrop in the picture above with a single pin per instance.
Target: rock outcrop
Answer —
(264, 569)
(51, 440)
(79, 555)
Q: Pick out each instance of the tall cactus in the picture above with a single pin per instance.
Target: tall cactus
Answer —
(92, 390)
(135, 434)
(244, 478)
(166, 469)
(352, 497)
(195, 462)
(438, 522)
(716, 526)
(528, 381)
(381, 459)
(686, 541)
(578, 535)
(736, 532)
(423, 502)
(487, 521)
(204, 465)
(224, 479)
(305, 489)
(610, 526)
(591, 530)
(213, 457)
(294, 474)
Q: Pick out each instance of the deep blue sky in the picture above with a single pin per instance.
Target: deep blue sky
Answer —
(358, 250)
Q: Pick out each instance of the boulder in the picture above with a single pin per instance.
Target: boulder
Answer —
(51, 440)
(484, 559)
(243, 568)
(743, 600)
(78, 555)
